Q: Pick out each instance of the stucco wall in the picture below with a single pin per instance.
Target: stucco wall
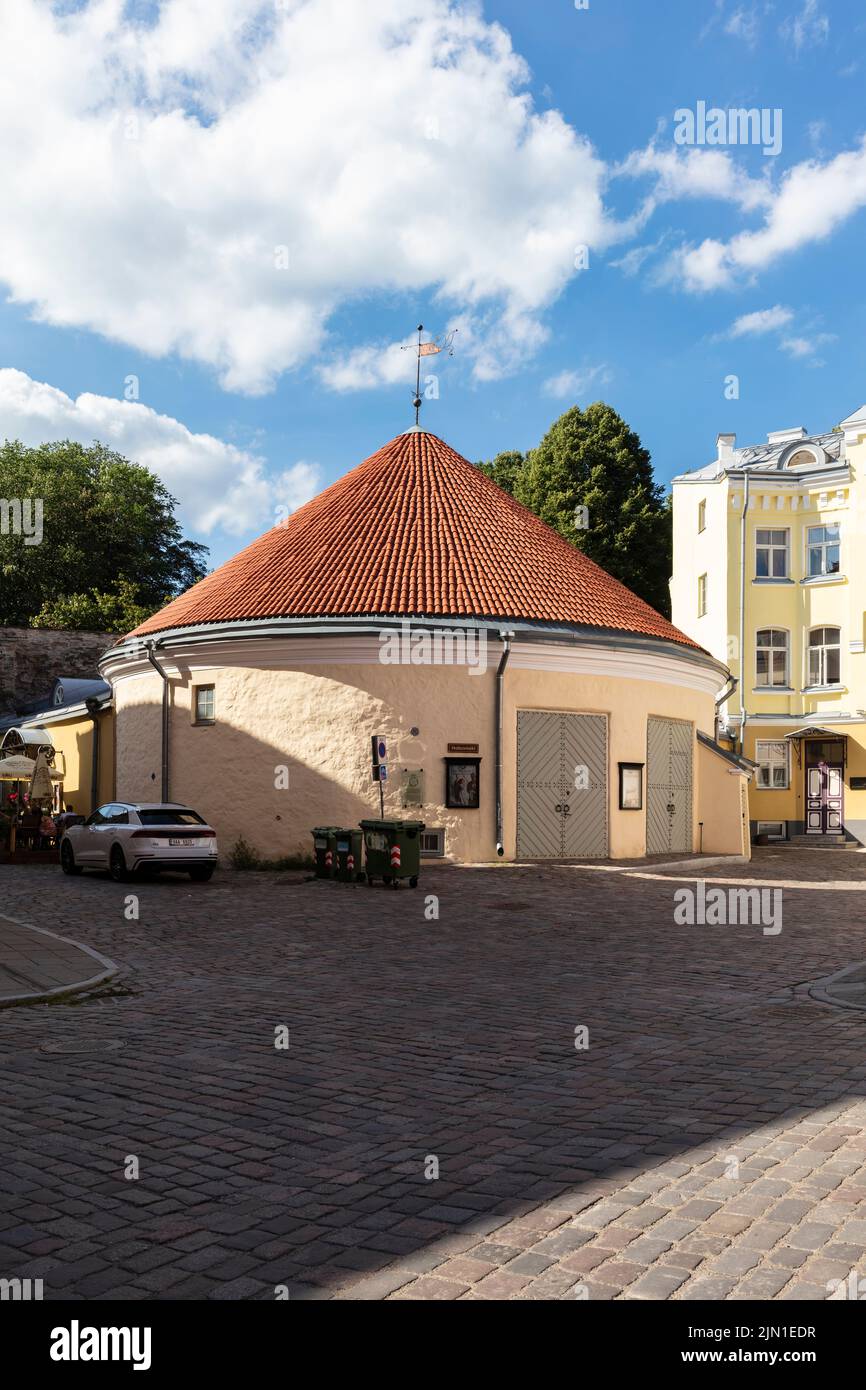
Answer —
(725, 832)
(317, 721)
(74, 738)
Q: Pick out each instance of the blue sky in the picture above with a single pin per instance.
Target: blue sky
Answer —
(433, 162)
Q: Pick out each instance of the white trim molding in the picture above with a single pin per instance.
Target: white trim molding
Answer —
(262, 652)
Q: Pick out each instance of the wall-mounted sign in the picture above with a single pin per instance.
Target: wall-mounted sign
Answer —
(461, 783)
(631, 786)
(412, 786)
(463, 748)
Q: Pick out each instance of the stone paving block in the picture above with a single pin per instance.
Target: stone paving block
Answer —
(591, 1171)
(658, 1283)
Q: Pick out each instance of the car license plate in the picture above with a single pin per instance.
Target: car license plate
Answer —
(181, 842)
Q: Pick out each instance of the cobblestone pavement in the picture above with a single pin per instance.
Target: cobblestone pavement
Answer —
(709, 1142)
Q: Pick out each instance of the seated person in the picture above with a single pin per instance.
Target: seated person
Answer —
(47, 830)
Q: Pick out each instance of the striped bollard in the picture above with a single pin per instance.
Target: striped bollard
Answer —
(395, 856)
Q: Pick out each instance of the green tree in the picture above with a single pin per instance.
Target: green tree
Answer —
(110, 543)
(118, 611)
(591, 479)
(505, 469)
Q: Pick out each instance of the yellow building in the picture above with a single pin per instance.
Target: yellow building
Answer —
(77, 726)
(769, 575)
(532, 707)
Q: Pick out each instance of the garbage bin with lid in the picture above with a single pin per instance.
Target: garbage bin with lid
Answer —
(348, 856)
(393, 850)
(325, 844)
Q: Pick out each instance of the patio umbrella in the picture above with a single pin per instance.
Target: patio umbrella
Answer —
(16, 768)
(41, 788)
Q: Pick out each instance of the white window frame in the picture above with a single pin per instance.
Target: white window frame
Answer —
(439, 832)
(702, 595)
(823, 649)
(771, 684)
(773, 829)
(702, 515)
(205, 719)
(768, 764)
(771, 547)
(823, 546)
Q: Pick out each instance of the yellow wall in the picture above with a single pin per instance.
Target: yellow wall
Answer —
(724, 833)
(796, 607)
(317, 722)
(74, 739)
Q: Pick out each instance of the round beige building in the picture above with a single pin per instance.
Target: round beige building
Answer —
(532, 706)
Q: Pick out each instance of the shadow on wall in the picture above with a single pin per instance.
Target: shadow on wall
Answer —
(248, 788)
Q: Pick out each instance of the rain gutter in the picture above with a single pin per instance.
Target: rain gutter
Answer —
(507, 638)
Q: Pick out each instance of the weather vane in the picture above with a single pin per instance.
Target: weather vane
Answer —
(442, 344)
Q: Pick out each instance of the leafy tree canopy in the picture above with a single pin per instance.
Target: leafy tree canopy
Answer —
(111, 550)
(591, 479)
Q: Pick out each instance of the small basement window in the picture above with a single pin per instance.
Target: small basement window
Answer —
(204, 705)
(773, 829)
(432, 844)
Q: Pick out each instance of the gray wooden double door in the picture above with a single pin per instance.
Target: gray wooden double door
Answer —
(669, 786)
(561, 785)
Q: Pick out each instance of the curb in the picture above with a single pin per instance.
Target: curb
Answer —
(710, 861)
(108, 972)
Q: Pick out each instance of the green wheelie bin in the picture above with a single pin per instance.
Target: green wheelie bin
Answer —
(392, 850)
(325, 844)
(348, 861)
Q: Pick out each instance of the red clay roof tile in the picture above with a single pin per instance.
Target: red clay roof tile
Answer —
(414, 531)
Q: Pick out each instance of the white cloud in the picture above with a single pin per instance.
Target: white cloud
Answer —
(805, 348)
(218, 182)
(218, 486)
(743, 24)
(812, 200)
(577, 382)
(760, 321)
(681, 174)
(807, 28)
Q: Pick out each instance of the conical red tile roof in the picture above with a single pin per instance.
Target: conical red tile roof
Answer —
(414, 531)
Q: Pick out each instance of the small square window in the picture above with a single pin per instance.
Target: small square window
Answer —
(205, 707)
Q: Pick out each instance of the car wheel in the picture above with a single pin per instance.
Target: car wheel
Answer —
(67, 859)
(202, 873)
(117, 865)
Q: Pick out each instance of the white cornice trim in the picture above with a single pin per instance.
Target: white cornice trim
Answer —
(694, 672)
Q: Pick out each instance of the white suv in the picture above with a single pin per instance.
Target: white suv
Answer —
(125, 836)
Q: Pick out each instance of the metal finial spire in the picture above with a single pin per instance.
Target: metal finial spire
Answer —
(417, 400)
(427, 350)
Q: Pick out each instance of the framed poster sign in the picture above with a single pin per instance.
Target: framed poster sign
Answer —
(461, 783)
(631, 786)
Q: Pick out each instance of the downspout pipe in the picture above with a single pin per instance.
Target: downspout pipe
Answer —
(93, 707)
(507, 638)
(151, 656)
(743, 714)
(730, 688)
